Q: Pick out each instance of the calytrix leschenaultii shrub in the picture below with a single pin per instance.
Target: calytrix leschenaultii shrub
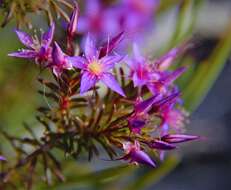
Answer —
(127, 104)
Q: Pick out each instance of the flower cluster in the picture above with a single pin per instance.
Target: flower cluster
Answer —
(141, 111)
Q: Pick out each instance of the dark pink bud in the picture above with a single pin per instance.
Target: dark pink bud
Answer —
(58, 55)
(72, 26)
(178, 138)
(145, 105)
(142, 158)
(161, 145)
(165, 102)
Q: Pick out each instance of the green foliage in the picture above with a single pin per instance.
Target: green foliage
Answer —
(207, 72)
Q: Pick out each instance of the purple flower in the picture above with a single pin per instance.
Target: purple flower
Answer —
(135, 155)
(96, 69)
(178, 138)
(40, 51)
(59, 61)
(140, 70)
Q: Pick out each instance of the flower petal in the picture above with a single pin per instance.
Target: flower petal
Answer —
(173, 76)
(78, 62)
(109, 62)
(167, 101)
(25, 38)
(90, 49)
(109, 80)
(145, 105)
(28, 54)
(87, 81)
(47, 37)
(58, 55)
(137, 55)
(166, 60)
(137, 81)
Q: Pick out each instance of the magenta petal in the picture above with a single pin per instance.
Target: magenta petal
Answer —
(109, 80)
(137, 80)
(145, 105)
(166, 60)
(178, 138)
(167, 101)
(162, 145)
(90, 49)
(110, 61)
(109, 46)
(48, 36)
(87, 81)
(137, 55)
(25, 38)
(174, 75)
(78, 62)
(142, 158)
(28, 54)
(58, 55)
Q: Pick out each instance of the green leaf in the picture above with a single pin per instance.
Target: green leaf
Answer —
(207, 73)
(154, 175)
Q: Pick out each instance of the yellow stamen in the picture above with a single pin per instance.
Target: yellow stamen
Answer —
(95, 67)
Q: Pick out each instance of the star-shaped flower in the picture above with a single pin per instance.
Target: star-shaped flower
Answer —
(95, 68)
(40, 51)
